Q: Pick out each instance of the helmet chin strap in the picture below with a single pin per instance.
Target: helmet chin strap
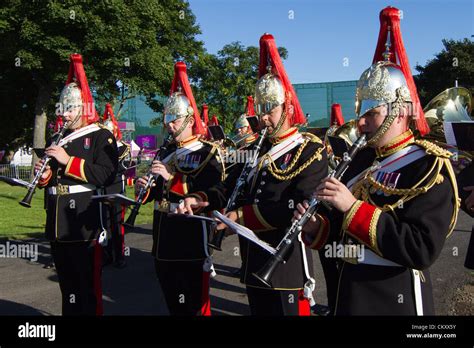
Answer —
(278, 126)
(183, 126)
(395, 108)
(79, 116)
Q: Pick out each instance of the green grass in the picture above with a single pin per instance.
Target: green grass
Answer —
(17, 222)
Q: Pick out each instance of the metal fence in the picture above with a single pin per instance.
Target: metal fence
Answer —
(15, 171)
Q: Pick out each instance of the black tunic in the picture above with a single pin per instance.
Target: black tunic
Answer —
(411, 235)
(267, 206)
(178, 237)
(74, 217)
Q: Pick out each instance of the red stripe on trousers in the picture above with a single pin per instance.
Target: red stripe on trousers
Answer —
(122, 230)
(304, 309)
(99, 309)
(205, 301)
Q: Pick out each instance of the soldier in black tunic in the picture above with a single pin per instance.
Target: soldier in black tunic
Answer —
(82, 163)
(466, 192)
(397, 203)
(115, 249)
(290, 166)
(182, 260)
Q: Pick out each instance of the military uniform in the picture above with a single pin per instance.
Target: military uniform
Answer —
(465, 178)
(182, 260)
(72, 219)
(407, 207)
(289, 169)
(406, 195)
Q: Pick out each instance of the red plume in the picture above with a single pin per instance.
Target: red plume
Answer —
(390, 17)
(205, 114)
(336, 115)
(58, 124)
(181, 80)
(250, 110)
(214, 121)
(269, 55)
(109, 113)
(77, 74)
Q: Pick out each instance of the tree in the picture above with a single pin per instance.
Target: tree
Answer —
(132, 44)
(454, 62)
(223, 81)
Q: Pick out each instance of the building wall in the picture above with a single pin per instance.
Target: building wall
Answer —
(316, 99)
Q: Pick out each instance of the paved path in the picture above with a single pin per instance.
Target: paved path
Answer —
(27, 288)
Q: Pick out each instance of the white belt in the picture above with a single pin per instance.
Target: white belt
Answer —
(371, 258)
(417, 289)
(69, 189)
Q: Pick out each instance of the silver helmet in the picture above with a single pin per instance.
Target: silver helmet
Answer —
(71, 97)
(269, 93)
(381, 84)
(177, 106)
(242, 122)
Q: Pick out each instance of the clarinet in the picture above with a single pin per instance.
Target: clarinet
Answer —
(130, 223)
(26, 201)
(218, 235)
(266, 272)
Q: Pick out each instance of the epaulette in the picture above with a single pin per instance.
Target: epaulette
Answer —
(100, 125)
(215, 148)
(312, 138)
(433, 149)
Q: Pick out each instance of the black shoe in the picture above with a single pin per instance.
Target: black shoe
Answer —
(237, 272)
(321, 310)
(49, 265)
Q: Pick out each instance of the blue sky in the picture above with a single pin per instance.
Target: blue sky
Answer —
(324, 34)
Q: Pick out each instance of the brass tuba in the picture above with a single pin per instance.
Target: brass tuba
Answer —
(452, 105)
(348, 132)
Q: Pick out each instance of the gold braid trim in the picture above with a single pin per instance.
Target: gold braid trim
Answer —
(373, 231)
(457, 200)
(282, 174)
(361, 191)
(126, 152)
(433, 149)
(219, 158)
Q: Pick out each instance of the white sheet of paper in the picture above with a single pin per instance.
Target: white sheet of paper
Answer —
(244, 232)
(449, 134)
(116, 196)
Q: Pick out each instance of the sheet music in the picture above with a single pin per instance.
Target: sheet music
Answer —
(449, 133)
(14, 181)
(115, 197)
(244, 232)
